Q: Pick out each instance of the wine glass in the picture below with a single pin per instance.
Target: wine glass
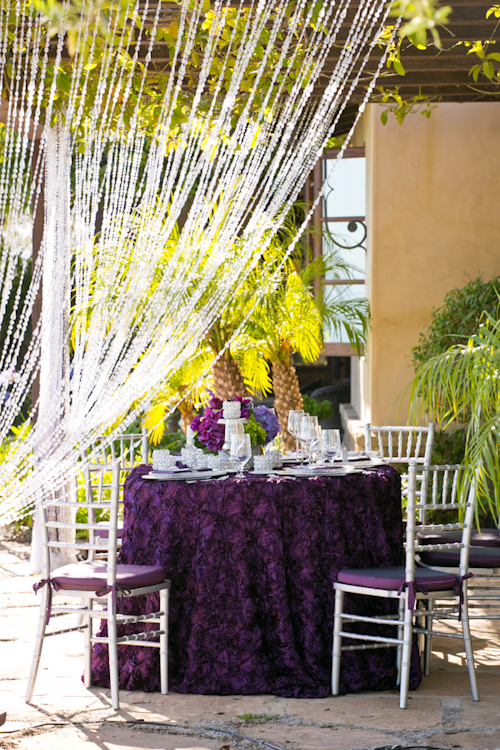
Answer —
(294, 419)
(241, 450)
(309, 429)
(331, 444)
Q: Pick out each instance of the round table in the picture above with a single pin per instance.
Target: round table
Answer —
(252, 562)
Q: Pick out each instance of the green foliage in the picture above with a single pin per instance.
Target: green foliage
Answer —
(256, 431)
(174, 441)
(400, 108)
(458, 318)
(320, 409)
(489, 62)
(463, 385)
(449, 447)
(423, 17)
(142, 95)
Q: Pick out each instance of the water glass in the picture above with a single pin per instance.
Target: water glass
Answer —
(331, 444)
(241, 450)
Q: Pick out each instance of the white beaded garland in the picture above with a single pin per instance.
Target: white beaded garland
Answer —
(140, 301)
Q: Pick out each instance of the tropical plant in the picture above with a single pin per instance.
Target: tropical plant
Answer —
(187, 389)
(463, 385)
(226, 373)
(289, 318)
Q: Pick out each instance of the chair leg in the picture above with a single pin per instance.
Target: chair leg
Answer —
(164, 642)
(399, 653)
(468, 646)
(87, 646)
(428, 639)
(42, 624)
(113, 656)
(337, 641)
(406, 656)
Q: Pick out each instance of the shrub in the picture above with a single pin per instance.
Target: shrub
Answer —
(320, 409)
(458, 318)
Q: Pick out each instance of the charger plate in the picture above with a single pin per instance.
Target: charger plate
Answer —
(327, 471)
(178, 477)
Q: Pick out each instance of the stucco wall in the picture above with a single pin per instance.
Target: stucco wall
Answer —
(433, 216)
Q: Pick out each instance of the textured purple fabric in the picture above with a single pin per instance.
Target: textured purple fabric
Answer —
(252, 564)
(391, 579)
(90, 576)
(479, 557)
(483, 538)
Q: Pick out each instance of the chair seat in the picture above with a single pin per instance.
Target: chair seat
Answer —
(104, 532)
(483, 538)
(391, 578)
(479, 557)
(92, 576)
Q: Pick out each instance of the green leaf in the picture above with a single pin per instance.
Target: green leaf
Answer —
(383, 117)
(488, 69)
(399, 68)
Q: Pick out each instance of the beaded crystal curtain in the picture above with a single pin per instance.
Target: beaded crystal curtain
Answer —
(102, 152)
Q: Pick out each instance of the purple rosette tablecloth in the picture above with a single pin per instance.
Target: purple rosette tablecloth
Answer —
(252, 563)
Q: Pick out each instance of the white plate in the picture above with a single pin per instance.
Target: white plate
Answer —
(170, 470)
(166, 477)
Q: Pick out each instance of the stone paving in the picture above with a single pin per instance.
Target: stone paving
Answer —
(66, 716)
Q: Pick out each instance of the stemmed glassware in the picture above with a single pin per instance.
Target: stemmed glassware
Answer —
(309, 432)
(294, 420)
(331, 444)
(241, 450)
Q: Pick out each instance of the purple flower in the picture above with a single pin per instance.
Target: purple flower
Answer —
(210, 432)
(268, 420)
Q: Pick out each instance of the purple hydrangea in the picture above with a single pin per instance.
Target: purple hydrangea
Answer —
(268, 420)
(210, 432)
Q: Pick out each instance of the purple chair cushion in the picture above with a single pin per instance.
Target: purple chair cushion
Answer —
(479, 557)
(104, 533)
(92, 576)
(483, 538)
(391, 578)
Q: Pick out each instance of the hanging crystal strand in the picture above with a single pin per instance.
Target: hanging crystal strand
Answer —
(54, 375)
(219, 296)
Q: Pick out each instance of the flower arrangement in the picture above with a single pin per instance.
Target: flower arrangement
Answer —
(262, 424)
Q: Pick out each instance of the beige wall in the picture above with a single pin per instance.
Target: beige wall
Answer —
(433, 216)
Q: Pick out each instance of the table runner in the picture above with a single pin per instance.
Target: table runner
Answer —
(252, 563)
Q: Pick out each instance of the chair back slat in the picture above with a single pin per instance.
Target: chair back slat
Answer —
(400, 444)
(97, 481)
(129, 449)
(441, 495)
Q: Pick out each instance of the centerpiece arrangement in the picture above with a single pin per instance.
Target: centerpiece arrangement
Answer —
(210, 429)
